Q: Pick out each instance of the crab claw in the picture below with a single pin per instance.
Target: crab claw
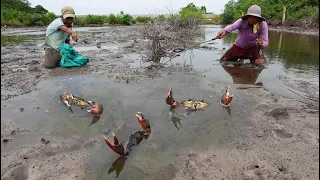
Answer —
(144, 123)
(226, 98)
(116, 146)
(170, 100)
(97, 108)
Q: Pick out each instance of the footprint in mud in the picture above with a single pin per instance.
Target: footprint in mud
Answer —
(281, 133)
(20, 172)
(252, 174)
(278, 113)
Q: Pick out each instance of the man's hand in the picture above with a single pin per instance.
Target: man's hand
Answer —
(259, 42)
(221, 34)
(74, 36)
(69, 31)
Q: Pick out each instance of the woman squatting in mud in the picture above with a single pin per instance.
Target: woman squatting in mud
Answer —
(252, 37)
(58, 32)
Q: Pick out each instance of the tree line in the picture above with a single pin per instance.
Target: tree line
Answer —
(271, 9)
(20, 13)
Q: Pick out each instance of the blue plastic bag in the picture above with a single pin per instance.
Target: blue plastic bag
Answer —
(70, 57)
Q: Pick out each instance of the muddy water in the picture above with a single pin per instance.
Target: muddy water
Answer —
(287, 55)
(153, 158)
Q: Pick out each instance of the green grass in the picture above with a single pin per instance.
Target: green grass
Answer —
(6, 40)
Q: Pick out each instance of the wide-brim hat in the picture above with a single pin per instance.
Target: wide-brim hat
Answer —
(68, 11)
(254, 10)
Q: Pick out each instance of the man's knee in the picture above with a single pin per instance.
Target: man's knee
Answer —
(49, 63)
(49, 66)
(51, 59)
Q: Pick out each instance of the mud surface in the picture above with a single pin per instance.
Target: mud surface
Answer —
(270, 130)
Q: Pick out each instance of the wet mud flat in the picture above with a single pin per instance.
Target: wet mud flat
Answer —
(21, 64)
(269, 132)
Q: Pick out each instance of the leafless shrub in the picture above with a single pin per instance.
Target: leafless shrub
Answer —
(169, 35)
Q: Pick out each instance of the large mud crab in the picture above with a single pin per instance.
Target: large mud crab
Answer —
(134, 139)
(70, 99)
(189, 104)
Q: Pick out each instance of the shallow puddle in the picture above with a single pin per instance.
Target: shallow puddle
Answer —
(153, 156)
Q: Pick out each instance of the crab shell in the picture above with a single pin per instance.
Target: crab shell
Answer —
(194, 105)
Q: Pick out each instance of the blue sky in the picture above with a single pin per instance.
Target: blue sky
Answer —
(83, 7)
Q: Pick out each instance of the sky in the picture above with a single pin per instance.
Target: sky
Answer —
(97, 7)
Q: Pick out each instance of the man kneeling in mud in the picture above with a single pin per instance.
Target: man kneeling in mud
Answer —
(252, 37)
(58, 32)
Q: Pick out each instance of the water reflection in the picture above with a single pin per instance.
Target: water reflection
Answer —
(242, 73)
(174, 118)
(294, 50)
(228, 109)
(117, 165)
(95, 119)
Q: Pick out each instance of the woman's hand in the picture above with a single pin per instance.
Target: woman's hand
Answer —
(221, 34)
(259, 42)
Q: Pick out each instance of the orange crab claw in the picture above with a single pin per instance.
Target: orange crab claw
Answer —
(144, 123)
(226, 101)
(115, 145)
(97, 108)
(226, 98)
(170, 100)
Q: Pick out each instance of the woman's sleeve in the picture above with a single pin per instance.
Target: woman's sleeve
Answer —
(232, 27)
(264, 34)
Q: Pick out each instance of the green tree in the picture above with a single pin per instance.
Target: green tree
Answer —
(203, 9)
(228, 12)
(189, 12)
(40, 9)
(271, 9)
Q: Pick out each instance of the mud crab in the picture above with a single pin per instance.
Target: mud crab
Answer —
(134, 139)
(189, 104)
(194, 104)
(226, 98)
(69, 100)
